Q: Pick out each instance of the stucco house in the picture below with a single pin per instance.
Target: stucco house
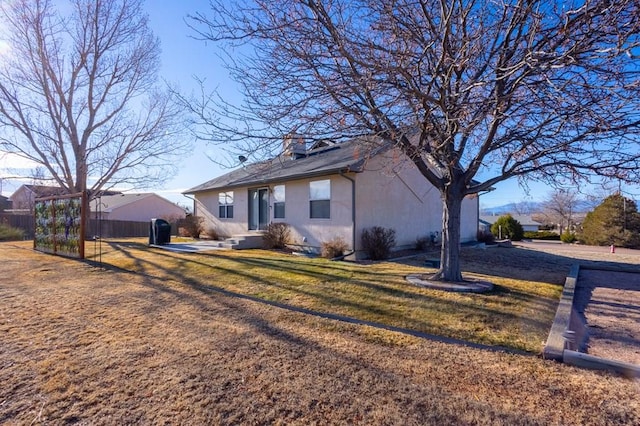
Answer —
(528, 224)
(138, 207)
(23, 198)
(329, 191)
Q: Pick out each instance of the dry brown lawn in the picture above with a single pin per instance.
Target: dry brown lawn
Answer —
(83, 345)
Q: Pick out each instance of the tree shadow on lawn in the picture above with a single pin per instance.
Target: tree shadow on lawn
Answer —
(382, 281)
(373, 311)
(265, 327)
(528, 264)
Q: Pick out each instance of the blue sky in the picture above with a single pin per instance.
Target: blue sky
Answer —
(183, 58)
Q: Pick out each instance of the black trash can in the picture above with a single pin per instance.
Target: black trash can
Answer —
(159, 232)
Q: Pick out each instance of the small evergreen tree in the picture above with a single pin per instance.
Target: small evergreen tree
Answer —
(567, 236)
(615, 221)
(507, 227)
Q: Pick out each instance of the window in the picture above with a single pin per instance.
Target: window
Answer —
(319, 199)
(278, 202)
(225, 205)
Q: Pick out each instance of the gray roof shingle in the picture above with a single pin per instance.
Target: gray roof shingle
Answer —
(348, 156)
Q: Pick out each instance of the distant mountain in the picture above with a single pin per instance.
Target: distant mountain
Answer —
(527, 207)
(531, 207)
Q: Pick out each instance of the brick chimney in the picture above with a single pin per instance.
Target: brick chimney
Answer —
(294, 146)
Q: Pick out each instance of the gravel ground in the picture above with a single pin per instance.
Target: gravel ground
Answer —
(609, 300)
(611, 305)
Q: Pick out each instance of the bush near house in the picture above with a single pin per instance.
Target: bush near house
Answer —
(377, 242)
(333, 248)
(424, 243)
(507, 227)
(191, 226)
(277, 235)
(485, 237)
(213, 233)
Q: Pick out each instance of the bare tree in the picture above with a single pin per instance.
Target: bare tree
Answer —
(466, 89)
(560, 207)
(78, 93)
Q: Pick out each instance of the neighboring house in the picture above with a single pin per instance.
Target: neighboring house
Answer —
(23, 199)
(336, 190)
(112, 205)
(135, 207)
(528, 224)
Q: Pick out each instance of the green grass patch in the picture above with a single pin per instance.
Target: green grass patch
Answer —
(517, 314)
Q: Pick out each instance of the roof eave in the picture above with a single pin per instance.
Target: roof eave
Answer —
(251, 183)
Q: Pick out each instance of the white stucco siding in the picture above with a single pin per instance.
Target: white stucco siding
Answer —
(392, 193)
(469, 219)
(206, 206)
(317, 231)
(305, 231)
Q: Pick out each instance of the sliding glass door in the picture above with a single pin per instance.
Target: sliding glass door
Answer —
(258, 208)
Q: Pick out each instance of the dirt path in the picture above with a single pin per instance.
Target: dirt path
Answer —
(80, 345)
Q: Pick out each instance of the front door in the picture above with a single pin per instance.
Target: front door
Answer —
(258, 208)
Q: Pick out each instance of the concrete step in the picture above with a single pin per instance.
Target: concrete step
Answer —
(241, 242)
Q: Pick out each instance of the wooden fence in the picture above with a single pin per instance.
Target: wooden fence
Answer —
(102, 228)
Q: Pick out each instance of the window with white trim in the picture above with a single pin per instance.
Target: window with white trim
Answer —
(320, 199)
(225, 205)
(278, 202)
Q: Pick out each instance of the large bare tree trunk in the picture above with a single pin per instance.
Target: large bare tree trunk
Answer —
(450, 268)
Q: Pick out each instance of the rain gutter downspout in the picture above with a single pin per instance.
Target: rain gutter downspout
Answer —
(194, 202)
(353, 216)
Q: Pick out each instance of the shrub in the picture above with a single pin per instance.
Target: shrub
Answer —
(333, 248)
(508, 227)
(423, 243)
(542, 235)
(568, 237)
(485, 237)
(377, 242)
(277, 235)
(213, 233)
(192, 226)
(9, 233)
